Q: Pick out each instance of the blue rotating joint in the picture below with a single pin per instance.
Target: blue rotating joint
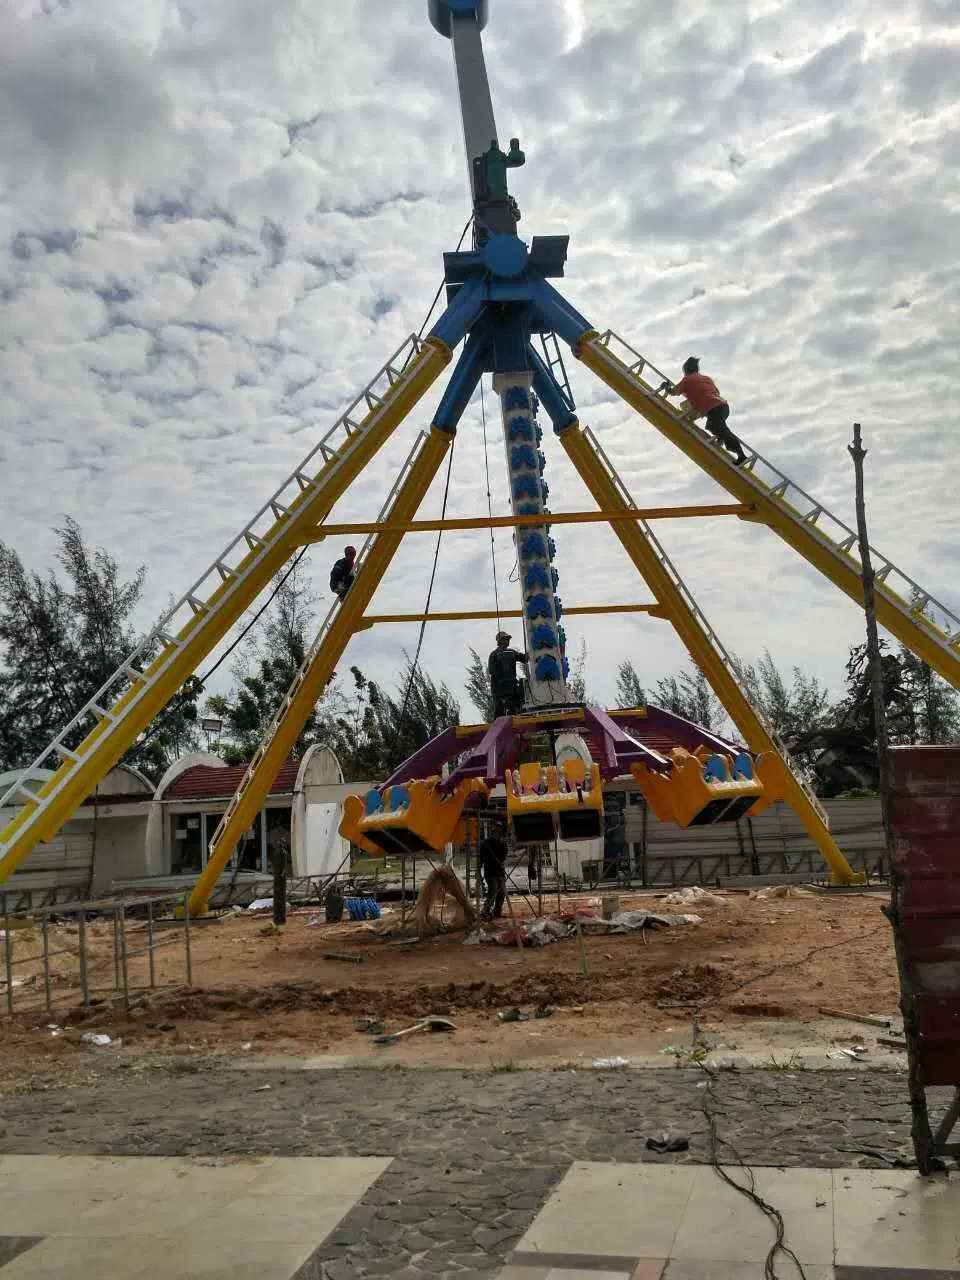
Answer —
(442, 13)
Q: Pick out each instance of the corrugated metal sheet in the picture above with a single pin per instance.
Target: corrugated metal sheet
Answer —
(56, 870)
(773, 843)
(203, 782)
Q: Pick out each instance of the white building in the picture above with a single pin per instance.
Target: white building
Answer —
(131, 835)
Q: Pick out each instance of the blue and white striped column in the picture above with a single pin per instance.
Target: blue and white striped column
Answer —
(544, 637)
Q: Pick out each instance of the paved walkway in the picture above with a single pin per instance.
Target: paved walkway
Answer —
(647, 1222)
(473, 1157)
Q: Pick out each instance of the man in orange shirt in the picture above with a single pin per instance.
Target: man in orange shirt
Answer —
(707, 402)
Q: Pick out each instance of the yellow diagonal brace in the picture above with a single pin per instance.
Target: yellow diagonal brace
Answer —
(107, 742)
(492, 615)
(817, 550)
(375, 565)
(607, 495)
(324, 531)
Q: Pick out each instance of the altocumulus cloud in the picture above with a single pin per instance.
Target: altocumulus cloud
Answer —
(221, 217)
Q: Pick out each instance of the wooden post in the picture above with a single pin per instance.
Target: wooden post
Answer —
(279, 856)
(920, 1127)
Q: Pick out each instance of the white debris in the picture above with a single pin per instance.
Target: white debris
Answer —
(260, 904)
(694, 894)
(97, 1038)
(610, 1064)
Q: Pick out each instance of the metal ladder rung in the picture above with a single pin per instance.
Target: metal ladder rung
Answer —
(225, 572)
(305, 482)
(778, 490)
(883, 572)
(813, 515)
(67, 754)
(252, 540)
(847, 545)
(279, 510)
(197, 605)
(95, 709)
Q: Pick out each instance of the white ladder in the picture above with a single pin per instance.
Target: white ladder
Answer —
(715, 642)
(280, 714)
(923, 623)
(119, 710)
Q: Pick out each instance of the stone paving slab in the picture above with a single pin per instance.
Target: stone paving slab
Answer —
(688, 1223)
(162, 1218)
(474, 1156)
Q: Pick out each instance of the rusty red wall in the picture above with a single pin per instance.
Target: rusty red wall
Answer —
(926, 827)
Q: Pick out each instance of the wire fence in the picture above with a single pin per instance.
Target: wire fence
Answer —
(84, 951)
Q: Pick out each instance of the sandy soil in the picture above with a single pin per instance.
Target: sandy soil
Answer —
(754, 973)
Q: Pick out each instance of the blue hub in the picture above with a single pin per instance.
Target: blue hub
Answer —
(442, 13)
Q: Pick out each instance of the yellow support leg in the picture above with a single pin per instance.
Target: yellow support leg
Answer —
(313, 678)
(610, 495)
(55, 802)
(835, 562)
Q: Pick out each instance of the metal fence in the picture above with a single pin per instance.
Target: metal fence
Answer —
(137, 927)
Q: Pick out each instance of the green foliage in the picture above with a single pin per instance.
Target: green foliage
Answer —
(396, 725)
(264, 673)
(689, 695)
(630, 692)
(477, 685)
(62, 636)
(794, 710)
(576, 680)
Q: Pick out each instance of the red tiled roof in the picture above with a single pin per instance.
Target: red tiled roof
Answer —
(203, 782)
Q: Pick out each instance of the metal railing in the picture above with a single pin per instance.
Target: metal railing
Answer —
(138, 927)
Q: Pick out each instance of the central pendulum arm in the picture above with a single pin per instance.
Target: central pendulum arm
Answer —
(462, 21)
(543, 634)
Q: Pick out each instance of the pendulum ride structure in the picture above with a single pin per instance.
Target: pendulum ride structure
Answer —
(507, 318)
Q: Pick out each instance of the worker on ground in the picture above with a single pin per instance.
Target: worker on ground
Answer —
(492, 865)
(706, 402)
(504, 685)
(342, 575)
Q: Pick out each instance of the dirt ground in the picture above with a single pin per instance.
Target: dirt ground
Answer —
(755, 973)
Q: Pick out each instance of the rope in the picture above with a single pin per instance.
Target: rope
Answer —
(486, 464)
(436, 296)
(256, 617)
(426, 609)
(259, 614)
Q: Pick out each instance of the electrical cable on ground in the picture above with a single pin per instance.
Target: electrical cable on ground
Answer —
(709, 1112)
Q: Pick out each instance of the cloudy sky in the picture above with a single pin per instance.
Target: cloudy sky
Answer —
(220, 217)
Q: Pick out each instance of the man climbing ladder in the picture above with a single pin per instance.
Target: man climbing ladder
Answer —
(708, 403)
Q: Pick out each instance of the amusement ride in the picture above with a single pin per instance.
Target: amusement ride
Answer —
(508, 319)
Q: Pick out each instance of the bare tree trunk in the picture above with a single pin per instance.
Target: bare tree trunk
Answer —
(920, 1127)
(279, 857)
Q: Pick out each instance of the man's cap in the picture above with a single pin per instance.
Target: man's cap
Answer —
(503, 635)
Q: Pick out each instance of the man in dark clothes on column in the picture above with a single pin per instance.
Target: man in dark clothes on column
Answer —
(492, 862)
(502, 670)
(343, 573)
